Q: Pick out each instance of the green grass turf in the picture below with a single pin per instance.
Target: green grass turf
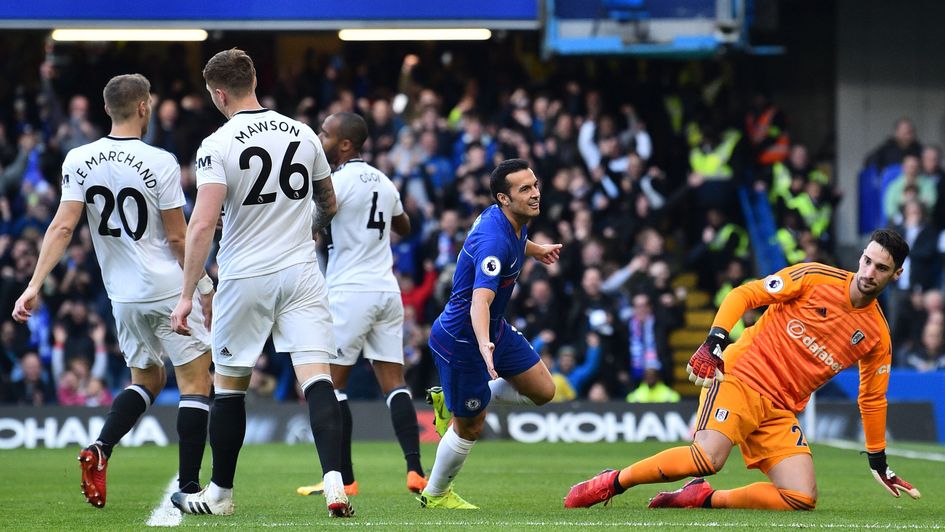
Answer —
(518, 486)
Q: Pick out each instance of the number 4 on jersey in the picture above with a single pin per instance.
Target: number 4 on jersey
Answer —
(379, 223)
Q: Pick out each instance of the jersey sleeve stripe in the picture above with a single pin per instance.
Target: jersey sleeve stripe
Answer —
(820, 268)
(818, 271)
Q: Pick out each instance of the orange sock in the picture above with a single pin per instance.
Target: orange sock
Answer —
(667, 466)
(762, 496)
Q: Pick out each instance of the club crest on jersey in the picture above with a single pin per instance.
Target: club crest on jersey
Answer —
(491, 266)
(774, 284)
(472, 403)
(857, 337)
(721, 415)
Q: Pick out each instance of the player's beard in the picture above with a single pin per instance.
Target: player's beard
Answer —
(865, 288)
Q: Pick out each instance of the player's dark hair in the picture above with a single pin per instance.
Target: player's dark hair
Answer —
(893, 243)
(122, 94)
(231, 70)
(352, 127)
(499, 183)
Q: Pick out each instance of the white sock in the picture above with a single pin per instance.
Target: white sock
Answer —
(504, 393)
(332, 480)
(217, 493)
(450, 455)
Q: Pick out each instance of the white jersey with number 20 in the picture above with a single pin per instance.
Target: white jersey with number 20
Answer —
(126, 184)
(268, 163)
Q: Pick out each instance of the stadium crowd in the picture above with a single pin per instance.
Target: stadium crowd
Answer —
(639, 182)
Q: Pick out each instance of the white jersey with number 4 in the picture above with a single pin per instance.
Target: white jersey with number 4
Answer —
(359, 255)
(126, 184)
(268, 163)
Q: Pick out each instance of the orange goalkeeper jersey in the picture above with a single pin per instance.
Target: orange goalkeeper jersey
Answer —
(810, 332)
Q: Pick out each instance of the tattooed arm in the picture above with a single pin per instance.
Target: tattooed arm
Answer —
(325, 206)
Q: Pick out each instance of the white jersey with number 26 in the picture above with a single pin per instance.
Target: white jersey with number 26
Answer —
(268, 163)
(126, 184)
(359, 255)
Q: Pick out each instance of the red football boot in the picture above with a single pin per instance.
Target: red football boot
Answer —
(590, 492)
(692, 495)
(94, 465)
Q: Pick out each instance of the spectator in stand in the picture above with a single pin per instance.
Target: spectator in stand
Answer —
(164, 131)
(648, 338)
(920, 271)
(722, 241)
(36, 387)
(576, 376)
(598, 393)
(417, 296)
(443, 244)
(652, 389)
(594, 311)
(895, 194)
(894, 150)
(541, 311)
(930, 354)
(931, 163)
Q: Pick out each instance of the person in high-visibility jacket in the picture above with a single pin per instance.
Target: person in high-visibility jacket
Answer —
(713, 164)
(652, 389)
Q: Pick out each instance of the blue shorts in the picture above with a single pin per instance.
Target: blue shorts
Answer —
(463, 374)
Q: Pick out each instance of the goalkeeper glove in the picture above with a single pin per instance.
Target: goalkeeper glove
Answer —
(885, 476)
(706, 365)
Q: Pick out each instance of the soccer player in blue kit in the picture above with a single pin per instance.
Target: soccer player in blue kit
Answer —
(479, 356)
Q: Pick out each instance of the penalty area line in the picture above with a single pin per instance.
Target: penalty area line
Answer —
(165, 514)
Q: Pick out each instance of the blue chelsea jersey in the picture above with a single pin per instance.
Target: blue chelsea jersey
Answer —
(492, 258)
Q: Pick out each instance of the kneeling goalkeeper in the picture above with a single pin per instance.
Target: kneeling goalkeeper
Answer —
(820, 320)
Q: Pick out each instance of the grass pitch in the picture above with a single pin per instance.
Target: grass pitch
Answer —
(517, 486)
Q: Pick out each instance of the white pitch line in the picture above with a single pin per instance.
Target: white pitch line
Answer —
(622, 524)
(905, 453)
(165, 514)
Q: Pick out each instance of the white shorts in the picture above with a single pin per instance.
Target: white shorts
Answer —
(290, 304)
(368, 321)
(145, 335)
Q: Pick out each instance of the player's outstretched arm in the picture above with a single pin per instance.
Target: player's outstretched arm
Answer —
(57, 239)
(887, 478)
(544, 253)
(706, 365)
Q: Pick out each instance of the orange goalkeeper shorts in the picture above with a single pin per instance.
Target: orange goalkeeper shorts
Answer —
(765, 433)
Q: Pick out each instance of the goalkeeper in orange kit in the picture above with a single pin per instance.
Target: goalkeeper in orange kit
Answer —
(820, 320)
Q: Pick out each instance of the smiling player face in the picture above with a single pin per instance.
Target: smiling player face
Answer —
(524, 196)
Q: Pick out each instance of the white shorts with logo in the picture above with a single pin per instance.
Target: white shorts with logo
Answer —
(368, 321)
(290, 304)
(145, 335)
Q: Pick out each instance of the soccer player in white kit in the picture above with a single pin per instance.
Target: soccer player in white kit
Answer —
(364, 296)
(134, 199)
(263, 169)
